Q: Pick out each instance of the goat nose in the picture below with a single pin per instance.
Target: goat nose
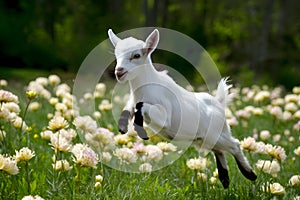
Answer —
(119, 69)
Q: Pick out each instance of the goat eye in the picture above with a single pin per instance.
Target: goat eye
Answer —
(136, 56)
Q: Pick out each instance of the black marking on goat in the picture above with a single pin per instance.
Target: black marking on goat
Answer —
(249, 175)
(138, 122)
(123, 121)
(223, 173)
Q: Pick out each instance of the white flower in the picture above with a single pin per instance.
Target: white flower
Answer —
(126, 155)
(276, 111)
(84, 156)
(268, 167)
(6, 96)
(286, 116)
(122, 139)
(248, 144)
(295, 180)
(106, 156)
(60, 143)
(276, 188)
(62, 165)
(291, 98)
(243, 114)
(297, 151)
(261, 96)
(46, 135)
(8, 165)
(29, 197)
(54, 79)
(19, 123)
(105, 105)
(198, 164)
(265, 134)
(276, 152)
(24, 154)
(165, 146)
(34, 106)
(152, 153)
(99, 178)
(146, 167)
(42, 81)
(3, 83)
(201, 176)
(291, 107)
(85, 123)
(57, 123)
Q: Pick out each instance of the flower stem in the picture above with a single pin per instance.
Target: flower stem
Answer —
(23, 121)
(27, 177)
(78, 179)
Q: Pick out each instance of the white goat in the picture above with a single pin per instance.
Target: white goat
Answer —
(172, 111)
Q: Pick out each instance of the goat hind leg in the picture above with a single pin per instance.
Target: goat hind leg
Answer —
(222, 168)
(242, 162)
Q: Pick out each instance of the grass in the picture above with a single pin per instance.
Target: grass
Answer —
(176, 181)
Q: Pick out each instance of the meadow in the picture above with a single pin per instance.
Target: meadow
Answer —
(50, 150)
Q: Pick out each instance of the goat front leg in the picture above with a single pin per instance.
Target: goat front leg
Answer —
(156, 115)
(126, 115)
(138, 121)
(123, 121)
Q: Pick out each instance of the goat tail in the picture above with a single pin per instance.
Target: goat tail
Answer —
(222, 94)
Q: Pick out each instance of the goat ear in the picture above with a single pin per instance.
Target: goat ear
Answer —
(113, 38)
(151, 42)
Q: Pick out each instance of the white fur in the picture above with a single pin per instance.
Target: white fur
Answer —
(169, 109)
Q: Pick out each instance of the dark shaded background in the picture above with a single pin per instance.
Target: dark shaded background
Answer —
(254, 41)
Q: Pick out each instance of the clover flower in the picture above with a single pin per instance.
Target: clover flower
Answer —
(122, 139)
(273, 188)
(126, 155)
(6, 96)
(165, 146)
(105, 105)
(18, 123)
(60, 143)
(57, 123)
(54, 79)
(8, 165)
(297, 151)
(294, 180)
(24, 154)
(62, 165)
(29, 197)
(152, 153)
(276, 152)
(201, 176)
(248, 144)
(31, 94)
(84, 156)
(85, 123)
(270, 167)
(198, 164)
(3, 83)
(265, 134)
(34, 106)
(145, 167)
(106, 156)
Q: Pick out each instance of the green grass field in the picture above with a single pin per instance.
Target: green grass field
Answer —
(268, 115)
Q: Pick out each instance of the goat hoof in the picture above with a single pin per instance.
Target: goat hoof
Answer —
(141, 132)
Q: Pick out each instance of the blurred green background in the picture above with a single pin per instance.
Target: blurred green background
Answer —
(254, 42)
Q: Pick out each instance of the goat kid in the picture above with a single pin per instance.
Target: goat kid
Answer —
(172, 111)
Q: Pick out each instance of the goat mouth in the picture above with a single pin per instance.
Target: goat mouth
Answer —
(121, 75)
